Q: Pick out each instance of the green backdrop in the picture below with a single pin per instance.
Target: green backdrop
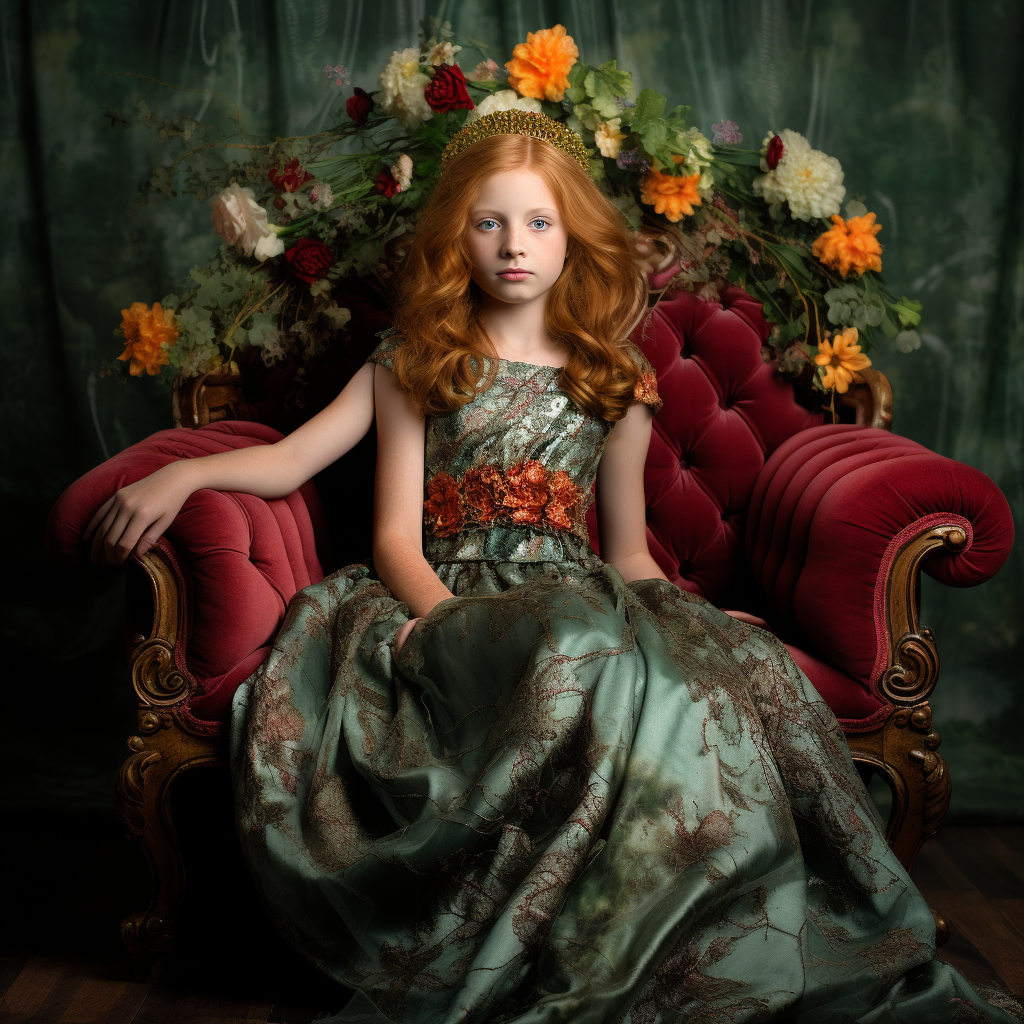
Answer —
(920, 100)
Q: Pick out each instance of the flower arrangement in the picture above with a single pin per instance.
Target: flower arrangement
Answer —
(297, 217)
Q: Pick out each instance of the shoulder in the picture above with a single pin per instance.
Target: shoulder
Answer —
(646, 388)
(389, 341)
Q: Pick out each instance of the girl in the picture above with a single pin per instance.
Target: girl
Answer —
(501, 779)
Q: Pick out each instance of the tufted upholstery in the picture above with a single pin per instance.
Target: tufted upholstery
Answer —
(725, 411)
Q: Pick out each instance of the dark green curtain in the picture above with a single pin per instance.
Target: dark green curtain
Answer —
(921, 101)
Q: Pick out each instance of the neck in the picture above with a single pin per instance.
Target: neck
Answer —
(519, 332)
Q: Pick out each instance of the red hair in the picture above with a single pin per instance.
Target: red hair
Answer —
(591, 307)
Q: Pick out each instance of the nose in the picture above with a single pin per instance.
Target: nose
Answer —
(514, 244)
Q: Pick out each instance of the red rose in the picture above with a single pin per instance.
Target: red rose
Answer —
(385, 184)
(291, 179)
(359, 105)
(447, 90)
(776, 151)
(565, 499)
(310, 259)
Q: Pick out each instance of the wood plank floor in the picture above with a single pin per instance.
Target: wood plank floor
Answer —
(61, 961)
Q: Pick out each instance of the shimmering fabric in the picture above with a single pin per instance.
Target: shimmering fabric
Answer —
(568, 798)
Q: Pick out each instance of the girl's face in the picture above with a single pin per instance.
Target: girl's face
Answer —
(516, 237)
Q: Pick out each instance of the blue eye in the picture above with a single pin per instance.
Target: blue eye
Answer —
(541, 221)
(487, 221)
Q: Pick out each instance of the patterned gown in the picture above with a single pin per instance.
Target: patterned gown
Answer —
(568, 798)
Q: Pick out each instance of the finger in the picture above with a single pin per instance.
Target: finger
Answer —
(97, 518)
(113, 537)
(153, 534)
(100, 536)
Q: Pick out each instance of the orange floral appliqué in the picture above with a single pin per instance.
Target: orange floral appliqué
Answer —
(539, 68)
(145, 330)
(442, 511)
(525, 494)
(646, 389)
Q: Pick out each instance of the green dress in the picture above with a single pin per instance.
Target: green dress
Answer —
(568, 798)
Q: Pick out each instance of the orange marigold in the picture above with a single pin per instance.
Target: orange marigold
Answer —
(671, 194)
(540, 67)
(145, 330)
(841, 358)
(850, 244)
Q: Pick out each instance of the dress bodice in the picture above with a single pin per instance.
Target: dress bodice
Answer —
(520, 456)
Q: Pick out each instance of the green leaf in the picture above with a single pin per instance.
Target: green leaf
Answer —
(649, 105)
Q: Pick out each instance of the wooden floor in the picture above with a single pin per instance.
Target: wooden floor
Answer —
(61, 960)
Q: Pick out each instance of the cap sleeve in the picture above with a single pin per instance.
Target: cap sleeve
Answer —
(646, 389)
(384, 353)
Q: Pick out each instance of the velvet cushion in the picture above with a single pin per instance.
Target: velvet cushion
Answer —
(246, 557)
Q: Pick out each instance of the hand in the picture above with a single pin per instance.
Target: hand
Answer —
(754, 620)
(135, 517)
(403, 632)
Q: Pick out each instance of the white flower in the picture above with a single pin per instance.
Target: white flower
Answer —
(238, 218)
(322, 286)
(809, 180)
(503, 99)
(401, 171)
(403, 84)
(321, 195)
(442, 53)
(268, 246)
(608, 137)
(338, 315)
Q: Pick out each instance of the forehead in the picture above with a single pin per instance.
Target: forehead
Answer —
(517, 189)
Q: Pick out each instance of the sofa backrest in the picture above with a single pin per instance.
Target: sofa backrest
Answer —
(725, 412)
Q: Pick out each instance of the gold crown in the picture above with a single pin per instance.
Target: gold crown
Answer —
(518, 122)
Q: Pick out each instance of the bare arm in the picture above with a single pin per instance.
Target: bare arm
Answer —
(398, 501)
(135, 517)
(621, 509)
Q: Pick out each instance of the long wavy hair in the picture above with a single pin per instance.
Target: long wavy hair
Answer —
(591, 308)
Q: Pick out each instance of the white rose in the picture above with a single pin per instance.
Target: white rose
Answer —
(401, 171)
(809, 180)
(238, 218)
(503, 99)
(403, 84)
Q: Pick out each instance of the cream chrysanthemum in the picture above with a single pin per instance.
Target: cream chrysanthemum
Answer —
(403, 84)
(609, 137)
(503, 99)
(809, 180)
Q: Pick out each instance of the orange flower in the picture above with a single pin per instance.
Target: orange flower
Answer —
(671, 194)
(850, 245)
(565, 498)
(540, 66)
(841, 358)
(145, 330)
(483, 490)
(526, 491)
(646, 389)
(442, 511)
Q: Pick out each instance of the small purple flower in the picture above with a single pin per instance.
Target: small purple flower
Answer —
(339, 73)
(631, 159)
(727, 133)
(623, 104)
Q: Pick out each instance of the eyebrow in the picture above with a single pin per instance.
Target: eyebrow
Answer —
(492, 212)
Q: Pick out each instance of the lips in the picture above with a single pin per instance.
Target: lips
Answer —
(513, 274)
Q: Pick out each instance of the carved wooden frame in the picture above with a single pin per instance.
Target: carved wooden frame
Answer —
(162, 747)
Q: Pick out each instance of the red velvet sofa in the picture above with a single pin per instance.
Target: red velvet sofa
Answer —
(752, 501)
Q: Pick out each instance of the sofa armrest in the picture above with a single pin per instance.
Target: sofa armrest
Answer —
(842, 519)
(237, 559)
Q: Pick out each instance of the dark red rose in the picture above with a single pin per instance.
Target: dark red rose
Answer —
(359, 105)
(526, 491)
(310, 259)
(442, 510)
(291, 179)
(776, 151)
(447, 90)
(385, 184)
